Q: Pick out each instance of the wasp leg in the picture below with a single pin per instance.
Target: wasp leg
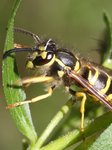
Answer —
(33, 100)
(28, 84)
(34, 80)
(82, 109)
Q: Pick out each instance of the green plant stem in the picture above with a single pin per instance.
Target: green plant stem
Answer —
(92, 127)
(53, 124)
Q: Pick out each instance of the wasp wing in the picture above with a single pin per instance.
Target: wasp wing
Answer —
(91, 89)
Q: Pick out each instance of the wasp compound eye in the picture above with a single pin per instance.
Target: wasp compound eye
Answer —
(43, 59)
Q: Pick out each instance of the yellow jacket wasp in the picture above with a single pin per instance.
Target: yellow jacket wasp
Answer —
(62, 66)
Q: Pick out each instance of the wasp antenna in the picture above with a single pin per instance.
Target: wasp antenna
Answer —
(17, 50)
(28, 33)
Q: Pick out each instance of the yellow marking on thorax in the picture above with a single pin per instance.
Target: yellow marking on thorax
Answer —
(60, 62)
(60, 73)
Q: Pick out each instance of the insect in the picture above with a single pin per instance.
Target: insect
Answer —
(58, 65)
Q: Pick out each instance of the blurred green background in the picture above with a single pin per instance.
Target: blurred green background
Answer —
(78, 25)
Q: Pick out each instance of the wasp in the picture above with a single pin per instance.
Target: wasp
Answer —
(58, 65)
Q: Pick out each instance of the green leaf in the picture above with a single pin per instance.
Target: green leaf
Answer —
(21, 115)
(91, 128)
(84, 145)
(57, 118)
(104, 141)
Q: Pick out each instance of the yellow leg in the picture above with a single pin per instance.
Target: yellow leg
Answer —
(33, 80)
(82, 110)
(32, 100)
(28, 84)
(28, 81)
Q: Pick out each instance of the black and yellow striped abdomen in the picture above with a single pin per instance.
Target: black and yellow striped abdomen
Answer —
(99, 79)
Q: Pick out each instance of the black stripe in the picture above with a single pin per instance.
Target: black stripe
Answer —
(101, 81)
(85, 73)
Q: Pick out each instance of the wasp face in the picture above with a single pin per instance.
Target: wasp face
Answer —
(43, 56)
